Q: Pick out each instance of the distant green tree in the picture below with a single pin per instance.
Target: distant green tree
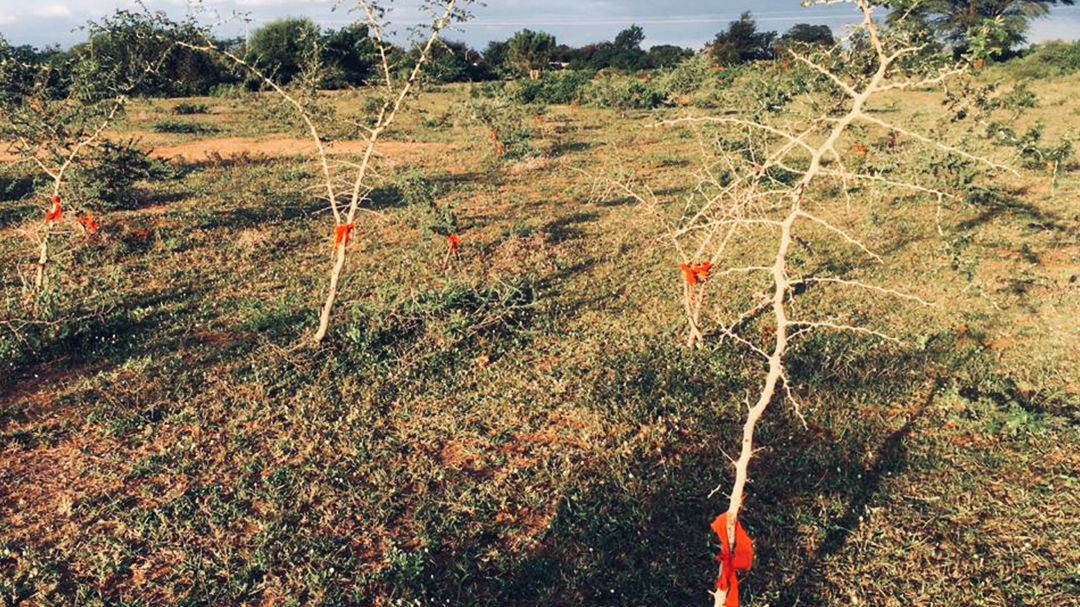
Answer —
(742, 42)
(955, 20)
(667, 55)
(626, 53)
(279, 47)
(806, 33)
(630, 39)
(349, 55)
(495, 56)
(623, 53)
(453, 61)
(24, 68)
(528, 50)
(803, 37)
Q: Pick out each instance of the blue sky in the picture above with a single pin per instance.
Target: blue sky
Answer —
(684, 22)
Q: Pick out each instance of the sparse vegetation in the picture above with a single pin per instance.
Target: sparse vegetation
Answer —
(505, 409)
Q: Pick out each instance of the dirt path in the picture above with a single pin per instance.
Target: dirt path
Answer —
(201, 150)
(229, 147)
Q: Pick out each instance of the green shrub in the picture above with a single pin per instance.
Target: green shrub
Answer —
(415, 189)
(15, 183)
(486, 90)
(106, 178)
(187, 128)
(185, 109)
(553, 88)
(1046, 60)
(506, 123)
(689, 77)
(227, 91)
(621, 92)
(443, 220)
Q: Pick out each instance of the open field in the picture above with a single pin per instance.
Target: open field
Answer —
(526, 426)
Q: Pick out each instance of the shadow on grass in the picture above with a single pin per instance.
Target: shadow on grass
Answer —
(566, 228)
(12, 213)
(634, 528)
(888, 459)
(101, 339)
(570, 147)
(239, 218)
(993, 203)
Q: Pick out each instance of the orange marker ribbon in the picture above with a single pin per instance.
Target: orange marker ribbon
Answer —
(341, 234)
(88, 222)
(454, 241)
(499, 147)
(695, 273)
(688, 274)
(54, 214)
(731, 561)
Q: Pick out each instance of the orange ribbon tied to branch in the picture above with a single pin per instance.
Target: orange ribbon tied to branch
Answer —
(88, 222)
(695, 273)
(499, 147)
(54, 213)
(453, 241)
(341, 235)
(730, 560)
(688, 274)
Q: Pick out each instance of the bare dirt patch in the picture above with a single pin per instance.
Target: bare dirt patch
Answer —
(232, 147)
(202, 150)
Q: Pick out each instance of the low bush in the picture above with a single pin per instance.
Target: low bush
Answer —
(187, 128)
(106, 179)
(227, 91)
(415, 189)
(185, 109)
(506, 125)
(621, 93)
(690, 77)
(15, 184)
(553, 88)
(1046, 60)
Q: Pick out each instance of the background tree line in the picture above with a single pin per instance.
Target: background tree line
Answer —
(346, 57)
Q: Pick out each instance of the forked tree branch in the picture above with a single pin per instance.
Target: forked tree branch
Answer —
(389, 111)
(748, 200)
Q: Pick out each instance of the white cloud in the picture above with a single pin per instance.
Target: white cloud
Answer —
(52, 11)
(267, 3)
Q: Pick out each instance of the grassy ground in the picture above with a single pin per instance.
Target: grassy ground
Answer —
(525, 427)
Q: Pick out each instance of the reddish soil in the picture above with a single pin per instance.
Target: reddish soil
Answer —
(201, 150)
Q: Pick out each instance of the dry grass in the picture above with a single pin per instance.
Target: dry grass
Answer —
(524, 427)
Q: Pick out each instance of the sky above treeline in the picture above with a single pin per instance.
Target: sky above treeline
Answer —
(689, 23)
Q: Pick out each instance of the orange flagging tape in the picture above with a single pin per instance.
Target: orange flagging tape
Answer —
(341, 234)
(688, 274)
(54, 214)
(454, 241)
(499, 147)
(731, 561)
(698, 272)
(88, 222)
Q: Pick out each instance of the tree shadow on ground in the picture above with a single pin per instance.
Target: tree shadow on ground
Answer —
(12, 213)
(888, 459)
(115, 335)
(239, 218)
(566, 227)
(570, 147)
(994, 203)
(634, 529)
